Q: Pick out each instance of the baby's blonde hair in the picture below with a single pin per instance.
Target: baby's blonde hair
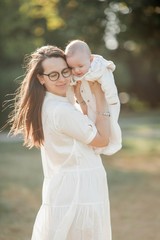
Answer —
(77, 45)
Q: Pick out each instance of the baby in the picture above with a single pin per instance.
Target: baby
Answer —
(90, 67)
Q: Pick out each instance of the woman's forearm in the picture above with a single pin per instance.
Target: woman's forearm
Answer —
(83, 105)
(79, 98)
(102, 119)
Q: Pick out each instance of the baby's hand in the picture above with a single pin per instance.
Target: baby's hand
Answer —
(73, 81)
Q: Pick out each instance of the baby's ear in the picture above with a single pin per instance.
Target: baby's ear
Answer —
(91, 57)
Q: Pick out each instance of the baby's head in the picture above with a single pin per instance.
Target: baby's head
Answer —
(79, 57)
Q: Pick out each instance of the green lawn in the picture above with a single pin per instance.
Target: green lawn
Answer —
(133, 178)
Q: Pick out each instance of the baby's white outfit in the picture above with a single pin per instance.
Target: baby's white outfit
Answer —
(101, 71)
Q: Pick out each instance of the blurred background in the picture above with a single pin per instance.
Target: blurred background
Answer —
(126, 32)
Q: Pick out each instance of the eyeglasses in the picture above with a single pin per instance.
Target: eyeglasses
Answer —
(54, 76)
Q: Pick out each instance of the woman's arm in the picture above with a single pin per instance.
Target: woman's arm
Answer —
(79, 98)
(102, 117)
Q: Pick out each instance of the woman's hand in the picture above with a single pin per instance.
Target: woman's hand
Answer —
(99, 96)
(79, 97)
(77, 91)
(102, 118)
(95, 87)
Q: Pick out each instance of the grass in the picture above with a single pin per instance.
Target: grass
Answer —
(133, 178)
(20, 190)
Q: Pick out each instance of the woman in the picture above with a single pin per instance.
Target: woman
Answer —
(75, 203)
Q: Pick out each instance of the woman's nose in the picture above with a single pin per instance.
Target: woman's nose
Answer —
(62, 78)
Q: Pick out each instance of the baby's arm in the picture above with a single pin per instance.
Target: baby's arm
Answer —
(109, 87)
(97, 68)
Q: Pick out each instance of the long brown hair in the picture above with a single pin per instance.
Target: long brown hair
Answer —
(26, 116)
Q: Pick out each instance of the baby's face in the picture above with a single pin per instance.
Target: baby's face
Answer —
(80, 63)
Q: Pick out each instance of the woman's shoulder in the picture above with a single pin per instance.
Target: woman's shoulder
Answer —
(51, 106)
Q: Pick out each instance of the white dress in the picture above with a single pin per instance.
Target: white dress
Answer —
(75, 201)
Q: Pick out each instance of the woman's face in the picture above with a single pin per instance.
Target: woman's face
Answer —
(59, 75)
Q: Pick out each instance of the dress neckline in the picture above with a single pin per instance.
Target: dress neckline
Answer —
(56, 97)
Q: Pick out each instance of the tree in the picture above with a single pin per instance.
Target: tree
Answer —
(138, 38)
(127, 32)
(83, 20)
(131, 32)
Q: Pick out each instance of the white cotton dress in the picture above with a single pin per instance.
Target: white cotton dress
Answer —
(75, 201)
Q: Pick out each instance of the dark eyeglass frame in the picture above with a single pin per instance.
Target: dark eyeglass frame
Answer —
(58, 74)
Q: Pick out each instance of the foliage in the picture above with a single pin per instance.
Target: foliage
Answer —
(83, 21)
(126, 32)
(139, 38)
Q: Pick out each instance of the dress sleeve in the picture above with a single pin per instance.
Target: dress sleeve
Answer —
(73, 123)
